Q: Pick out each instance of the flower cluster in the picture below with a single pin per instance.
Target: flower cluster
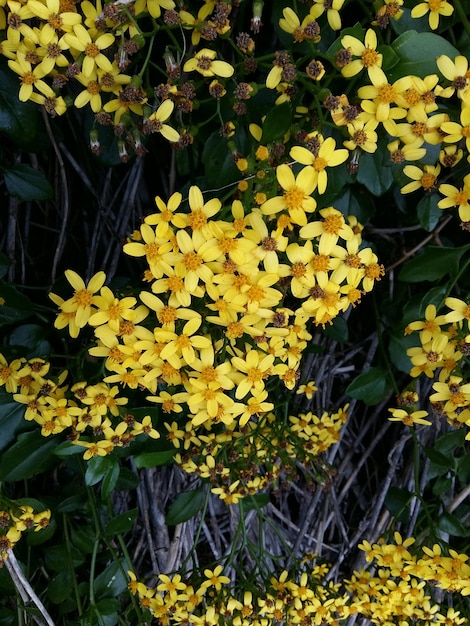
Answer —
(442, 356)
(16, 519)
(399, 590)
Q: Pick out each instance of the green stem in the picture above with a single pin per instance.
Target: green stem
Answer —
(462, 16)
(147, 58)
(69, 556)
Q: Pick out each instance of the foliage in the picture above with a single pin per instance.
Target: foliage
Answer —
(195, 431)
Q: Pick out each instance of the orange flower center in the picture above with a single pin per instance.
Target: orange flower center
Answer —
(167, 315)
(369, 57)
(293, 198)
(192, 261)
(83, 297)
(92, 50)
(333, 224)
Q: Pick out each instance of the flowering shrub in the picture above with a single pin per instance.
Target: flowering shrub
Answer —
(190, 394)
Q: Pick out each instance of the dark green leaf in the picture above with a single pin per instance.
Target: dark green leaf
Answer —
(442, 485)
(257, 501)
(97, 468)
(30, 455)
(370, 387)
(112, 581)
(338, 330)
(355, 31)
(397, 347)
(397, 501)
(60, 586)
(18, 120)
(33, 337)
(73, 503)
(373, 174)
(428, 212)
(122, 523)
(57, 555)
(108, 610)
(445, 460)
(276, 123)
(11, 419)
(451, 524)
(35, 538)
(127, 480)
(432, 264)
(83, 538)
(27, 183)
(450, 441)
(153, 459)
(110, 480)
(463, 469)
(390, 58)
(185, 506)
(67, 448)
(218, 163)
(14, 306)
(417, 53)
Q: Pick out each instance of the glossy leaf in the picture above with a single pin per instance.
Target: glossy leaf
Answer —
(371, 387)
(373, 174)
(219, 166)
(97, 468)
(432, 264)
(30, 455)
(18, 120)
(276, 123)
(14, 306)
(122, 523)
(397, 501)
(153, 459)
(11, 419)
(112, 581)
(451, 524)
(27, 183)
(185, 506)
(33, 337)
(417, 53)
(428, 212)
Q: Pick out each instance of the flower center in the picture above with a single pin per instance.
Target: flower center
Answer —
(333, 224)
(369, 57)
(428, 180)
(192, 261)
(386, 93)
(293, 198)
(83, 297)
(197, 219)
(319, 164)
(412, 97)
(204, 63)
(298, 270)
(167, 315)
(92, 50)
(320, 263)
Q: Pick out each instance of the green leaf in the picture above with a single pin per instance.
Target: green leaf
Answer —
(397, 501)
(371, 387)
(445, 460)
(450, 441)
(60, 587)
(252, 502)
(97, 468)
(127, 480)
(18, 120)
(73, 503)
(36, 538)
(428, 212)
(57, 555)
(122, 523)
(397, 347)
(14, 306)
(390, 58)
(276, 123)
(432, 264)
(29, 456)
(185, 506)
(27, 183)
(417, 53)
(33, 337)
(373, 174)
(110, 480)
(355, 31)
(108, 610)
(451, 524)
(338, 330)
(463, 469)
(11, 419)
(83, 538)
(67, 448)
(218, 163)
(112, 581)
(153, 459)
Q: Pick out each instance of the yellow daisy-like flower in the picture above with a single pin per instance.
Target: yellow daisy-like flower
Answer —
(430, 327)
(457, 197)
(56, 20)
(435, 9)
(369, 58)
(422, 178)
(214, 579)
(81, 40)
(160, 116)
(330, 229)
(83, 298)
(410, 419)
(296, 198)
(327, 156)
(363, 136)
(205, 63)
(455, 131)
(332, 8)
(456, 72)
(29, 77)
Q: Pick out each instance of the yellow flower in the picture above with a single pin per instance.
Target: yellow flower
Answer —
(380, 95)
(252, 369)
(56, 20)
(330, 229)
(363, 136)
(81, 40)
(456, 132)
(154, 7)
(457, 197)
(406, 152)
(435, 8)
(369, 58)
(422, 178)
(29, 77)
(308, 389)
(326, 156)
(160, 116)
(205, 63)
(430, 327)
(332, 8)
(410, 419)
(84, 296)
(296, 198)
(456, 72)
(214, 578)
